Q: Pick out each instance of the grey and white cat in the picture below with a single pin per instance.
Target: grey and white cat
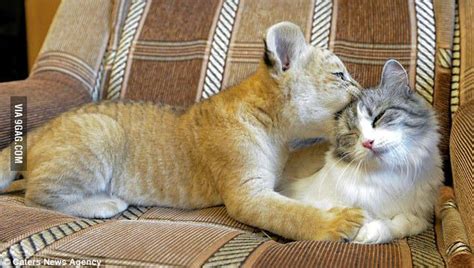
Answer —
(384, 159)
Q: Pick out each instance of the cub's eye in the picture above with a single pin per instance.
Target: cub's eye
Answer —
(339, 75)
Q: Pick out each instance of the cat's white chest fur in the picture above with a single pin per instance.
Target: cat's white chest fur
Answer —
(397, 202)
(350, 185)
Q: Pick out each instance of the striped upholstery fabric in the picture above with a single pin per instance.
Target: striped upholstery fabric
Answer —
(462, 139)
(68, 71)
(462, 154)
(73, 51)
(48, 94)
(209, 238)
(182, 51)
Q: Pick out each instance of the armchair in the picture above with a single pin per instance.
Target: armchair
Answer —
(180, 52)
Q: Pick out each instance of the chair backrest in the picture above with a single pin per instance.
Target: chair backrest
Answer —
(181, 51)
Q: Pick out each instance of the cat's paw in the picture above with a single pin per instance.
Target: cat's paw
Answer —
(96, 207)
(112, 207)
(374, 232)
(345, 223)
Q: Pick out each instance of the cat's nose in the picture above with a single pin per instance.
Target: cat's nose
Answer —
(368, 144)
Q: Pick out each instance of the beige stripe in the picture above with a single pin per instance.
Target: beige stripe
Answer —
(371, 51)
(371, 62)
(169, 49)
(164, 58)
(61, 63)
(71, 57)
(413, 31)
(407, 47)
(198, 262)
(372, 56)
(248, 45)
(244, 49)
(132, 49)
(444, 57)
(235, 251)
(252, 258)
(332, 33)
(405, 251)
(172, 44)
(65, 71)
(241, 60)
(64, 64)
(207, 52)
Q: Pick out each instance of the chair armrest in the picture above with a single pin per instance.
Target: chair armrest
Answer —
(452, 240)
(46, 98)
(462, 159)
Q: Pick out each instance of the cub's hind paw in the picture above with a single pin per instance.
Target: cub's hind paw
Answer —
(100, 206)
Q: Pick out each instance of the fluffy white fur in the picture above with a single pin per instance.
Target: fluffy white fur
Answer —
(398, 202)
(396, 182)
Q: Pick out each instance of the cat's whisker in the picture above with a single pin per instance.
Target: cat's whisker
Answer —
(409, 162)
(343, 172)
(327, 172)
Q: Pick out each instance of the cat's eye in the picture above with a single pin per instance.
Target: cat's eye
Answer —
(339, 75)
(377, 118)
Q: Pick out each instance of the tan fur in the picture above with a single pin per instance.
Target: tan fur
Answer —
(230, 149)
(306, 161)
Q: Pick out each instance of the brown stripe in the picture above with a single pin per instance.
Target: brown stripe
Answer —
(466, 17)
(331, 254)
(249, 29)
(365, 42)
(169, 53)
(68, 92)
(444, 13)
(405, 251)
(73, 60)
(15, 228)
(462, 152)
(250, 261)
(128, 69)
(153, 241)
(212, 249)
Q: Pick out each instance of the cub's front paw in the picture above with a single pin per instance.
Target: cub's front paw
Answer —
(345, 223)
(374, 232)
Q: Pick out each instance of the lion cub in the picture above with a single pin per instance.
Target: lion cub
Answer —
(230, 149)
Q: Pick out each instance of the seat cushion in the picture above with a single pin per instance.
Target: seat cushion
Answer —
(144, 236)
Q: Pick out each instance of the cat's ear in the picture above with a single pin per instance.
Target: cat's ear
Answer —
(395, 76)
(284, 45)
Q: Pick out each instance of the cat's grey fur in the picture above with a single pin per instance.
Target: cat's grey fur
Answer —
(396, 181)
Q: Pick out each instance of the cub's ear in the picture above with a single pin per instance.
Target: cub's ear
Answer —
(284, 44)
(395, 76)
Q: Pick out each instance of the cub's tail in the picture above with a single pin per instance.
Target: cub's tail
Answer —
(6, 175)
